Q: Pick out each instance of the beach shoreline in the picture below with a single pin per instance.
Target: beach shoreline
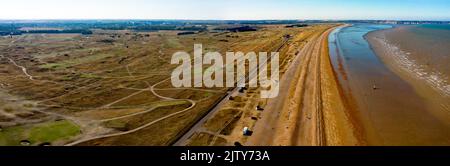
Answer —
(312, 110)
(431, 85)
(388, 107)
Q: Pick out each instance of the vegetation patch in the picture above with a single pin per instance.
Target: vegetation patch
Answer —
(174, 43)
(47, 132)
(73, 62)
(204, 139)
(230, 127)
(201, 139)
(162, 109)
(100, 114)
(88, 75)
(222, 119)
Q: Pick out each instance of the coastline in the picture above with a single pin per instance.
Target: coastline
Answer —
(434, 91)
(342, 126)
(312, 111)
(388, 107)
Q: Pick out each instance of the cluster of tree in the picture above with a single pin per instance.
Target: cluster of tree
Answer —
(168, 28)
(109, 41)
(296, 25)
(237, 29)
(81, 31)
(5, 33)
(8, 29)
(15, 29)
(192, 28)
(186, 33)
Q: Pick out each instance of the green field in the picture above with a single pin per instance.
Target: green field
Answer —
(47, 132)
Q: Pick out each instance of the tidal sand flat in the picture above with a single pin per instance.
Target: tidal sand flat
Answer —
(419, 54)
(389, 108)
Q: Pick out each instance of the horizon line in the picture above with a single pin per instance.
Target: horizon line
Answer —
(172, 19)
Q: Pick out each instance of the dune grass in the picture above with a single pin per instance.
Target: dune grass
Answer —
(73, 62)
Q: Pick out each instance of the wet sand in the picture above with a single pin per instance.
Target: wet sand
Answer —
(425, 67)
(421, 60)
(391, 108)
(344, 94)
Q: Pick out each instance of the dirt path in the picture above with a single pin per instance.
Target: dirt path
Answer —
(24, 69)
(134, 130)
(309, 107)
(92, 129)
(152, 90)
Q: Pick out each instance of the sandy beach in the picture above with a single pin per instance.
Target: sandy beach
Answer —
(349, 97)
(311, 111)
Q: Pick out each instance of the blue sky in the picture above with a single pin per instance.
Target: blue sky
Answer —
(226, 9)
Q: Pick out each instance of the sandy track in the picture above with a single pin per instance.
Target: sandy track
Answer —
(309, 111)
(24, 69)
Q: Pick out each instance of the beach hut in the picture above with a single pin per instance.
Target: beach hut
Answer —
(259, 108)
(246, 131)
(242, 90)
(375, 87)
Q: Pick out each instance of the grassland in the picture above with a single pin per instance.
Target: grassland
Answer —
(225, 127)
(113, 87)
(37, 134)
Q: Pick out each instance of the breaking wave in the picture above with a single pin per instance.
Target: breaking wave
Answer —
(434, 78)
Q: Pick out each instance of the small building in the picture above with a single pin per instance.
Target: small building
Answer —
(185, 33)
(246, 131)
(259, 108)
(375, 87)
(242, 89)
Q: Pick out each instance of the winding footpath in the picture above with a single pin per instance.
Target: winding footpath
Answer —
(152, 90)
(24, 69)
